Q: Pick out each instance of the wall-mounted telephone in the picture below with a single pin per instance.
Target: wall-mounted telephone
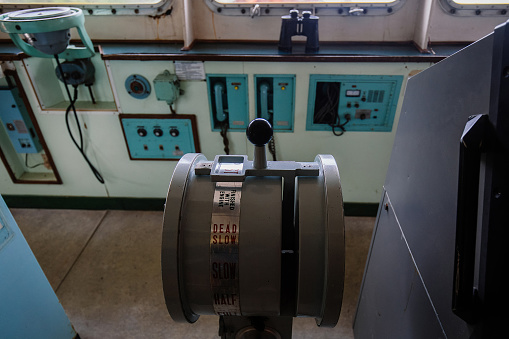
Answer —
(220, 102)
(228, 101)
(275, 99)
(266, 101)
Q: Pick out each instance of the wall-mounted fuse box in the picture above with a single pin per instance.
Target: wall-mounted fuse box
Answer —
(167, 87)
(160, 137)
(17, 122)
(228, 101)
(275, 100)
(355, 102)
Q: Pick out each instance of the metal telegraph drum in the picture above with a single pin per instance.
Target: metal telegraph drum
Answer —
(254, 242)
(47, 32)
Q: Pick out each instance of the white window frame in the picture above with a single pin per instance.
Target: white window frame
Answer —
(159, 8)
(453, 8)
(333, 9)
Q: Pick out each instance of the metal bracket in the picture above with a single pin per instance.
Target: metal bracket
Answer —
(229, 168)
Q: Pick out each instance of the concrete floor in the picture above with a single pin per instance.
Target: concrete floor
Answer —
(105, 269)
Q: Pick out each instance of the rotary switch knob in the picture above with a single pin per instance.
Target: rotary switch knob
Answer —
(158, 132)
(174, 132)
(142, 132)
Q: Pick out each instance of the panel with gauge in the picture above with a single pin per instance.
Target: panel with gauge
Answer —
(158, 137)
(352, 102)
(16, 120)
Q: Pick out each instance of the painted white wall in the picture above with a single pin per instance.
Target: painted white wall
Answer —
(362, 157)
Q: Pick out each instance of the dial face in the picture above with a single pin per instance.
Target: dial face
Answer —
(353, 93)
(40, 13)
(137, 86)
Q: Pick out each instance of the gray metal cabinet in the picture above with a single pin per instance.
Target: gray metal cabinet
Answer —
(393, 292)
(413, 269)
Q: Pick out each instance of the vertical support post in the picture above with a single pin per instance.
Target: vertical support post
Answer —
(188, 26)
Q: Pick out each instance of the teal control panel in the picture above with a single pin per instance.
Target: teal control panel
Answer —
(160, 137)
(17, 122)
(354, 102)
(275, 100)
(228, 101)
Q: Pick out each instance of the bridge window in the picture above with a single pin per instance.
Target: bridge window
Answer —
(481, 2)
(95, 7)
(319, 7)
(303, 1)
(476, 7)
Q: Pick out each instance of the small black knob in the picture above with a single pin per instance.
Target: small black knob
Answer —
(294, 13)
(306, 14)
(259, 132)
(158, 132)
(142, 132)
(174, 132)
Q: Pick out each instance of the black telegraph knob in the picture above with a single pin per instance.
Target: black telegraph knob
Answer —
(294, 13)
(259, 132)
(142, 132)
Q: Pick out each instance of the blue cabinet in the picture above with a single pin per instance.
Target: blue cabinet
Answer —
(28, 306)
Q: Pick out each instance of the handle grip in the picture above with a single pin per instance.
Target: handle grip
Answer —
(264, 101)
(218, 95)
(465, 303)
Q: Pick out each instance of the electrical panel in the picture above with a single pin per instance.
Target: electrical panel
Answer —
(167, 87)
(275, 100)
(160, 137)
(228, 100)
(17, 122)
(352, 102)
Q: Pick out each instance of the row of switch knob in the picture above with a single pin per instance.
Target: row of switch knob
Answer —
(158, 132)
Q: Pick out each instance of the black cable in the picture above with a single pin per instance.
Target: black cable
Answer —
(328, 105)
(71, 106)
(31, 166)
(172, 110)
(332, 110)
(338, 124)
(91, 93)
(224, 134)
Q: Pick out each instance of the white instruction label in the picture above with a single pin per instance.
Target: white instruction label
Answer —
(190, 70)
